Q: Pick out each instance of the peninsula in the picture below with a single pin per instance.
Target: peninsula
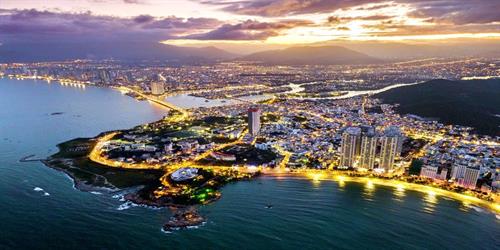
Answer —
(184, 159)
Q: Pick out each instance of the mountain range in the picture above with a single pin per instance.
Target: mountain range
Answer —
(35, 52)
(326, 53)
(308, 55)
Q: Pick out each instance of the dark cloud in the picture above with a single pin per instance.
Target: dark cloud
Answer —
(45, 26)
(458, 12)
(143, 19)
(396, 29)
(454, 11)
(343, 28)
(34, 25)
(273, 8)
(123, 1)
(334, 20)
(134, 1)
(248, 30)
(376, 7)
(184, 23)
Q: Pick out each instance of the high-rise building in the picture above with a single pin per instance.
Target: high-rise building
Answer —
(254, 121)
(368, 148)
(470, 177)
(350, 142)
(104, 76)
(157, 88)
(458, 171)
(390, 147)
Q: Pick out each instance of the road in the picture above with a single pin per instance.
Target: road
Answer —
(155, 99)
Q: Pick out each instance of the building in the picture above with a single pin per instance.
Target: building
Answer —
(390, 147)
(434, 172)
(458, 171)
(469, 180)
(350, 141)
(368, 148)
(157, 88)
(104, 76)
(254, 121)
(184, 174)
(429, 171)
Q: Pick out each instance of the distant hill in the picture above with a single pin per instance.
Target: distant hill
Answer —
(309, 55)
(397, 51)
(469, 103)
(35, 52)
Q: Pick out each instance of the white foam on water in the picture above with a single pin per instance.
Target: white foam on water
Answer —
(197, 226)
(123, 206)
(95, 192)
(498, 216)
(39, 189)
(165, 231)
(126, 205)
(117, 196)
(477, 209)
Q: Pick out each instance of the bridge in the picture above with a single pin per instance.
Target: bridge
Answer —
(154, 99)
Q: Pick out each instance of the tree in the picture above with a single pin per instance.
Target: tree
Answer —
(416, 166)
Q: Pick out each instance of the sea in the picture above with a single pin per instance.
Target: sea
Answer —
(41, 209)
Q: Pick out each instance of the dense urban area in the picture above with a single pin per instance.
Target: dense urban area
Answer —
(315, 121)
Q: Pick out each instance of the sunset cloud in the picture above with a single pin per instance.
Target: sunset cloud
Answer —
(248, 30)
(273, 21)
(33, 25)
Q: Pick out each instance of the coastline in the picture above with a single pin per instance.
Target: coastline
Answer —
(397, 184)
(309, 174)
(322, 176)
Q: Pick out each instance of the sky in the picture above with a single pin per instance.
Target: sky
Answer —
(283, 22)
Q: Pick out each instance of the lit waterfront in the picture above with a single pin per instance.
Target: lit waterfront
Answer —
(399, 186)
(306, 204)
(316, 175)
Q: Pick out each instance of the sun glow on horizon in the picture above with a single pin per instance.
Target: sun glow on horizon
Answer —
(302, 40)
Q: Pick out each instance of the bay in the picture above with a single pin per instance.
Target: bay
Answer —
(40, 209)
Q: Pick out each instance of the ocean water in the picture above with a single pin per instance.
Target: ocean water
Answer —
(40, 209)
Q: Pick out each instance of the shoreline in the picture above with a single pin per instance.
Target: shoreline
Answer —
(317, 177)
(397, 184)
(322, 175)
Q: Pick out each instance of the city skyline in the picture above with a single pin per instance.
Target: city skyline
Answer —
(254, 124)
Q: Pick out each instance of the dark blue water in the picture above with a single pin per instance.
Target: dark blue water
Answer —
(305, 214)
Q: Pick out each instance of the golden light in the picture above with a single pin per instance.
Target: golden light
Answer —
(341, 180)
(431, 193)
(316, 177)
(370, 185)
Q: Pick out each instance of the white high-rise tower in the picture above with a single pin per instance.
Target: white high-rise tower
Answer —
(390, 148)
(368, 149)
(254, 121)
(350, 142)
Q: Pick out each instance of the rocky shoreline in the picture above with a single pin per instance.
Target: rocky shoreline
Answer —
(183, 218)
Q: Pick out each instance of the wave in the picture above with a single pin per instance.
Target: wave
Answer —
(126, 206)
(477, 209)
(39, 189)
